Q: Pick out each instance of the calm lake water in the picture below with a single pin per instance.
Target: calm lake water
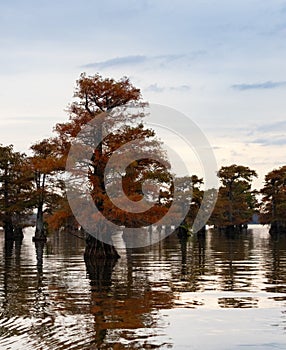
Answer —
(219, 292)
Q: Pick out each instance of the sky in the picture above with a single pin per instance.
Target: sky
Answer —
(221, 63)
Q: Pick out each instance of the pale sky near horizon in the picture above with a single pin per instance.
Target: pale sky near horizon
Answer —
(221, 63)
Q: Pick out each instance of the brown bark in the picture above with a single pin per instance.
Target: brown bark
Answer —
(100, 250)
(40, 233)
(8, 228)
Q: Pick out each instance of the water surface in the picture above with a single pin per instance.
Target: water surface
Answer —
(217, 292)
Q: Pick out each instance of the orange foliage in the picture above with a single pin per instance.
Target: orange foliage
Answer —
(95, 99)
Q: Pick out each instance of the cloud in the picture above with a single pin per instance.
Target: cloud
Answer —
(31, 120)
(167, 58)
(117, 61)
(271, 141)
(275, 140)
(259, 86)
(180, 88)
(160, 60)
(157, 88)
(269, 134)
(272, 127)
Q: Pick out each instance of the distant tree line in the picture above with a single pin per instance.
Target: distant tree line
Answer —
(33, 185)
(237, 202)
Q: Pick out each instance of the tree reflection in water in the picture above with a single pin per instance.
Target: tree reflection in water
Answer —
(124, 307)
(51, 299)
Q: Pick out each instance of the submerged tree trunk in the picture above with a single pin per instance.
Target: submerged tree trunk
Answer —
(277, 228)
(8, 228)
(202, 231)
(18, 223)
(183, 231)
(40, 233)
(95, 248)
(234, 229)
(39, 247)
(100, 272)
(18, 233)
(183, 243)
(12, 232)
(8, 249)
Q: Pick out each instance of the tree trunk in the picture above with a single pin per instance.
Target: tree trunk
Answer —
(12, 232)
(40, 233)
(183, 243)
(202, 231)
(95, 248)
(100, 272)
(8, 249)
(7, 221)
(183, 230)
(18, 233)
(277, 228)
(39, 246)
(8, 229)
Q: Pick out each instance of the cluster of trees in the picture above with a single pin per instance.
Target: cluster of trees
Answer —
(273, 208)
(28, 184)
(15, 192)
(34, 184)
(237, 203)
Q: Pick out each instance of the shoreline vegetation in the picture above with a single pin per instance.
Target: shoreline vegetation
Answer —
(33, 188)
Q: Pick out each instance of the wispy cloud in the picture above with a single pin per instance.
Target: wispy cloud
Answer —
(268, 134)
(180, 88)
(160, 60)
(271, 141)
(23, 120)
(157, 88)
(272, 127)
(259, 86)
(117, 61)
